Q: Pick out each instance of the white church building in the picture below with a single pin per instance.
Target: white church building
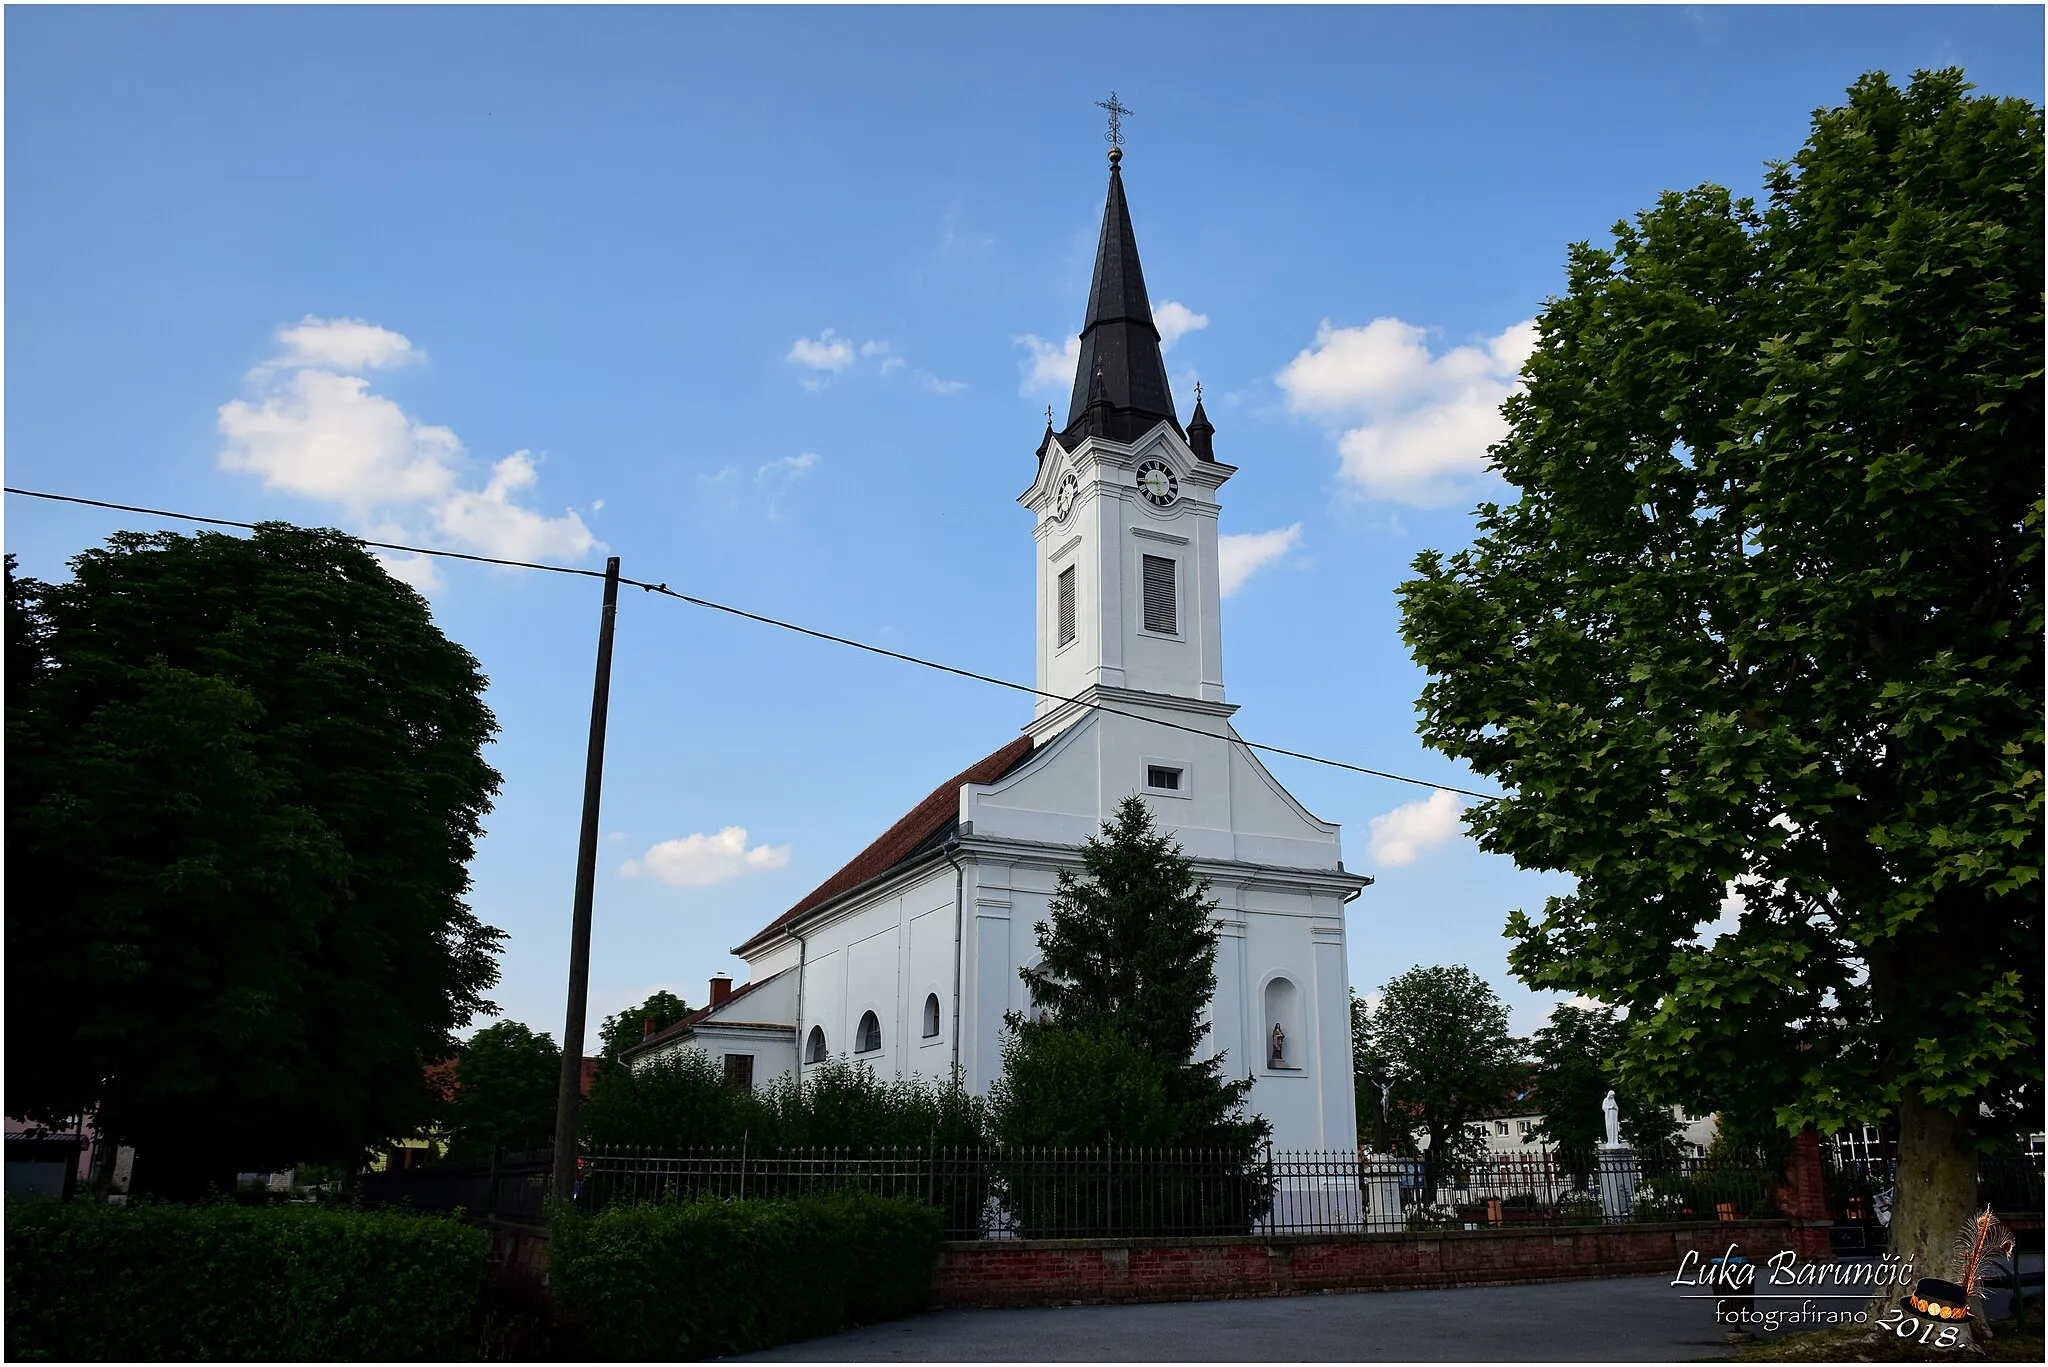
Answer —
(907, 958)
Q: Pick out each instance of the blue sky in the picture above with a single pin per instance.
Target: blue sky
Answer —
(770, 303)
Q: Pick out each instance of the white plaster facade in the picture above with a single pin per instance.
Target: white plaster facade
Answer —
(932, 946)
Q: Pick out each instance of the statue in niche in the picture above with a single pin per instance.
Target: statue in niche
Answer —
(1279, 1046)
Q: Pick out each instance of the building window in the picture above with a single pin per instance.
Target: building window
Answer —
(814, 1047)
(868, 1038)
(1522, 1127)
(739, 1071)
(1500, 1127)
(1162, 603)
(1162, 777)
(1066, 605)
(931, 1016)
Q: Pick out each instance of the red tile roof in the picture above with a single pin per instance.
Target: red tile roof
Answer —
(926, 820)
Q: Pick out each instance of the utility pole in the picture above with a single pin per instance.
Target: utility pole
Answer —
(570, 1095)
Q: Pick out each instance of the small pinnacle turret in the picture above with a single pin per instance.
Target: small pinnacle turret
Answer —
(1201, 432)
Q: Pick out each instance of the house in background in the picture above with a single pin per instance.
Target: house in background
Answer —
(749, 1033)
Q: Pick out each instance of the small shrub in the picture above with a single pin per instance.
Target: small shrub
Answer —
(292, 1282)
(1580, 1208)
(1746, 1189)
(1659, 1198)
(681, 1101)
(709, 1277)
(1434, 1217)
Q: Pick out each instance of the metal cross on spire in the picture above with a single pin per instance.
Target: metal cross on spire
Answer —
(1115, 135)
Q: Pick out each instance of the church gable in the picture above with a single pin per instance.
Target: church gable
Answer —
(1216, 798)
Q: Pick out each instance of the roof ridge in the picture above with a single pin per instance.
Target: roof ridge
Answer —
(904, 837)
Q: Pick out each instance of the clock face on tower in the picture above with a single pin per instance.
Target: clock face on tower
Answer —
(1157, 482)
(1063, 500)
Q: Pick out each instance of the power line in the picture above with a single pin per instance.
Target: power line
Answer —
(252, 526)
(663, 590)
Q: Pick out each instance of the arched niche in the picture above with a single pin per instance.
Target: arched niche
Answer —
(1283, 1043)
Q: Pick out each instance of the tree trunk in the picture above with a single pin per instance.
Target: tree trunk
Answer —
(1936, 1191)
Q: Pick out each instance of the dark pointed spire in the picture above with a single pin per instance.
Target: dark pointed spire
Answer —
(1201, 432)
(1119, 341)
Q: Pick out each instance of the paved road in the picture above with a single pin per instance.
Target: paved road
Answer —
(1630, 1319)
(1625, 1319)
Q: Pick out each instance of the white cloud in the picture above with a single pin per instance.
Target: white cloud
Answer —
(313, 430)
(1175, 321)
(784, 469)
(489, 517)
(1241, 553)
(776, 477)
(823, 352)
(1398, 836)
(698, 861)
(829, 355)
(1423, 421)
(1051, 367)
(343, 344)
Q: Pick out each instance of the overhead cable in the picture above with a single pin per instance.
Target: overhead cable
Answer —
(663, 590)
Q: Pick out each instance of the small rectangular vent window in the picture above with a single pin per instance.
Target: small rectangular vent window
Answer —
(1159, 776)
(1161, 603)
(1066, 605)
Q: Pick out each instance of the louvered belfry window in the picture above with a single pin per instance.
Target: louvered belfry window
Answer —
(1066, 605)
(1161, 606)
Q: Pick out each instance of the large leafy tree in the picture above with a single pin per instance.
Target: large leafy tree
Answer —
(1766, 619)
(1440, 1033)
(1128, 950)
(244, 781)
(621, 1032)
(506, 1079)
(1573, 1076)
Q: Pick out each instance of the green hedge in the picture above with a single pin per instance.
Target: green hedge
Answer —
(709, 1277)
(228, 1282)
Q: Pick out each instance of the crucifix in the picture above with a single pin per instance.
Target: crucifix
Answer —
(1115, 135)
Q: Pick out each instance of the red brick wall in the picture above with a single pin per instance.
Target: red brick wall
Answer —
(1054, 1272)
(1804, 1197)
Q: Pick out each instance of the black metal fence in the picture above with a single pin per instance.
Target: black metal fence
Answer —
(991, 1193)
(512, 1186)
(1861, 1185)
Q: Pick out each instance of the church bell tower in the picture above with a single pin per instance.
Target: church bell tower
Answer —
(1128, 588)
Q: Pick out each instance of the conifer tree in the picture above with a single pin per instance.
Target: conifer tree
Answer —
(1129, 950)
